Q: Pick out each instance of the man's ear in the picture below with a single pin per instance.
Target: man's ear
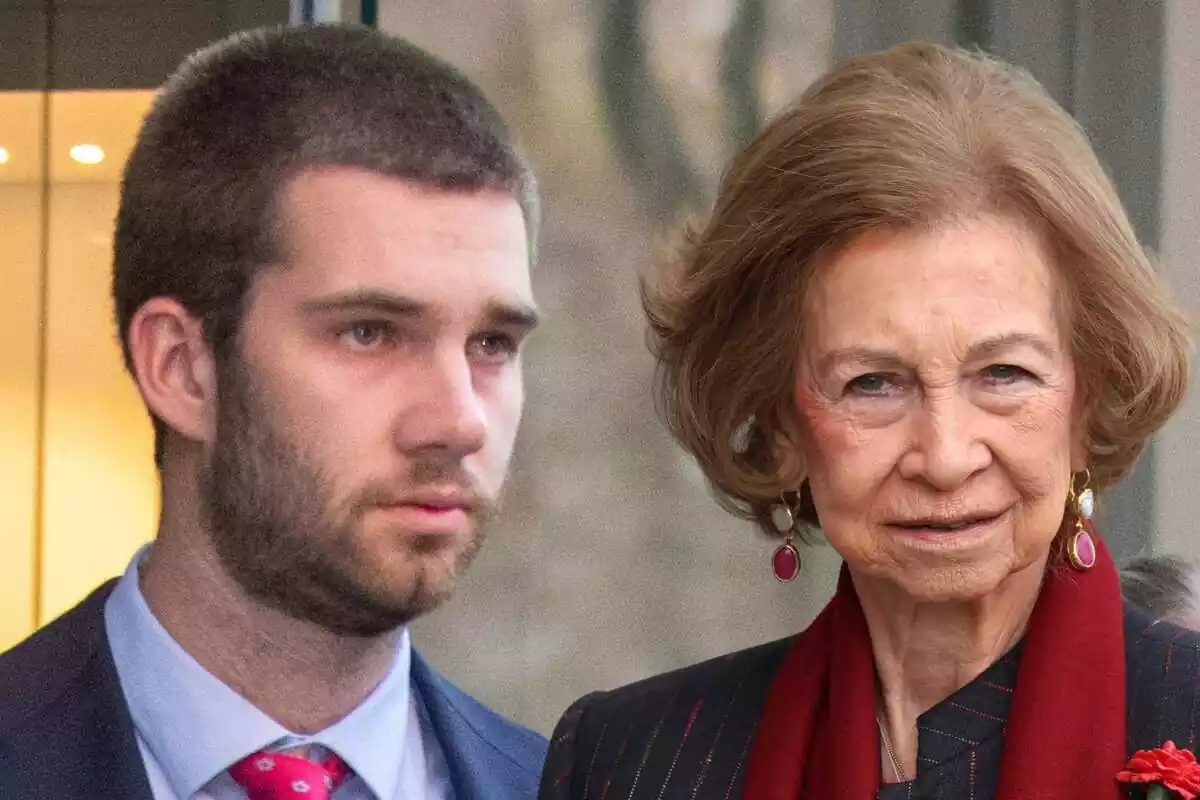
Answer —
(174, 368)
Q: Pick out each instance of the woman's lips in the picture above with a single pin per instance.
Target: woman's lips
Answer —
(946, 527)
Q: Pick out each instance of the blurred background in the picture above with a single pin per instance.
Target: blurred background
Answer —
(610, 560)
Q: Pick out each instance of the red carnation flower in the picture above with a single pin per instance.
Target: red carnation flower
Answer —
(1169, 766)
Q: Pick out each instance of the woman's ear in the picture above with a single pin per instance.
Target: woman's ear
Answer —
(174, 368)
(1079, 459)
(788, 453)
(1080, 441)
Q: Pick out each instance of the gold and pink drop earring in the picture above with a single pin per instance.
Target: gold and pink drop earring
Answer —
(785, 561)
(1081, 549)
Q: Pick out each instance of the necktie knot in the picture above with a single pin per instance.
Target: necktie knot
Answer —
(278, 776)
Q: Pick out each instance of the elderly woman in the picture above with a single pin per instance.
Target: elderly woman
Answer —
(918, 323)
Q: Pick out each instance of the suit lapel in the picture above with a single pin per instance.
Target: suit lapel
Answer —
(70, 737)
(486, 755)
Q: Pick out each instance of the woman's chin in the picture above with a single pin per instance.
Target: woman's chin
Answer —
(956, 582)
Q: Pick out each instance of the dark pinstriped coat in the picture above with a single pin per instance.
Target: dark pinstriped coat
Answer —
(687, 735)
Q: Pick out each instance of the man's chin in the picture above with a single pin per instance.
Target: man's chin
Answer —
(370, 613)
(367, 587)
(384, 602)
(436, 547)
(415, 595)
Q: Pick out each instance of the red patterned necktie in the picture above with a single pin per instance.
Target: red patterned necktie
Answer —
(278, 776)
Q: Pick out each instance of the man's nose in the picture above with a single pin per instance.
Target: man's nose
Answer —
(449, 413)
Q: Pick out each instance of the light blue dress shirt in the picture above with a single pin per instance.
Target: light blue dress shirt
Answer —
(191, 727)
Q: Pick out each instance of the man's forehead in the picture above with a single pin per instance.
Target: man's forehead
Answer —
(368, 236)
(358, 196)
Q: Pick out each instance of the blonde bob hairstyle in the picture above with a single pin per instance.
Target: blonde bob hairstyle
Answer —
(905, 139)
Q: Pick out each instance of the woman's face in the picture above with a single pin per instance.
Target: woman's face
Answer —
(936, 394)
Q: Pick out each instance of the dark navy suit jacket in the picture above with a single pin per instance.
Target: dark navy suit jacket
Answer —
(66, 732)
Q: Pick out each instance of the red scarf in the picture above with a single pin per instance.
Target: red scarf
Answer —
(1065, 736)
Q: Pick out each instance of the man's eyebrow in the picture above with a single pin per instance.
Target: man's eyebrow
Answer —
(512, 315)
(366, 300)
(497, 313)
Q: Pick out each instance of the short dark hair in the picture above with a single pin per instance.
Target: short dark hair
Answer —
(1161, 585)
(242, 116)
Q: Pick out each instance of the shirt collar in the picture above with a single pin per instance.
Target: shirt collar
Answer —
(196, 727)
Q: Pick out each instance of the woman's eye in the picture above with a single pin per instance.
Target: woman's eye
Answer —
(1005, 373)
(873, 383)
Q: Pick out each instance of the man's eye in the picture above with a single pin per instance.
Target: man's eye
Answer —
(366, 334)
(495, 347)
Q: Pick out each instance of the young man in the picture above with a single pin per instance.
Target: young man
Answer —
(322, 287)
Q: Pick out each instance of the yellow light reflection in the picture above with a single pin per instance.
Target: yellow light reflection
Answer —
(87, 154)
(62, 365)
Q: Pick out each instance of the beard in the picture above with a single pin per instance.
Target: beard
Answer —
(279, 533)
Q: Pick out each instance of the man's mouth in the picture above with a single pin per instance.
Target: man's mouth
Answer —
(429, 518)
(439, 499)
